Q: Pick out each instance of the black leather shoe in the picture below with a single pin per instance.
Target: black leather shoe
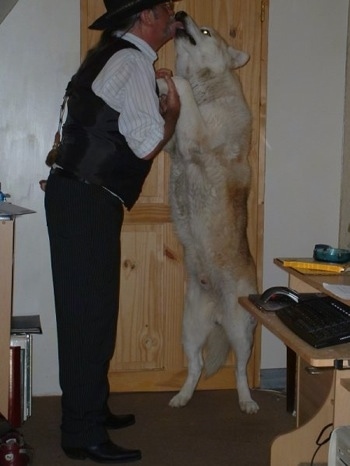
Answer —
(114, 421)
(106, 452)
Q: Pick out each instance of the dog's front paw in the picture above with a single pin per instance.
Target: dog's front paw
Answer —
(162, 86)
(179, 400)
(249, 406)
(183, 87)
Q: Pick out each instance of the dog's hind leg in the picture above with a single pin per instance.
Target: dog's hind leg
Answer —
(197, 324)
(239, 327)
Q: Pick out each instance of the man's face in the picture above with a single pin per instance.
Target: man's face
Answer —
(165, 25)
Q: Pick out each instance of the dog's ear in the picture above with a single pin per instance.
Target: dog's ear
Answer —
(239, 58)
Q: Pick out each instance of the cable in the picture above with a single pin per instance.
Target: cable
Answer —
(323, 442)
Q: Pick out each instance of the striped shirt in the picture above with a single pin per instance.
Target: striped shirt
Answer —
(127, 84)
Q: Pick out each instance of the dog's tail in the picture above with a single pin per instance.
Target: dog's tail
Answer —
(216, 350)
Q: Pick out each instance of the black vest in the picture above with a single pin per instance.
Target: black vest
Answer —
(92, 146)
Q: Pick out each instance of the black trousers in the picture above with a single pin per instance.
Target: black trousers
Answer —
(84, 224)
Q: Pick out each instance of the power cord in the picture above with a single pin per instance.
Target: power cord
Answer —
(320, 442)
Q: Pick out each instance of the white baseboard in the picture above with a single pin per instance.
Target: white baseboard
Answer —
(273, 379)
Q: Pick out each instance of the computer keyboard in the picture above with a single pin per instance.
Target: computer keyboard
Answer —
(321, 321)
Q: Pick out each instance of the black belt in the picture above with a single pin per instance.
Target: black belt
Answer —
(57, 171)
(67, 174)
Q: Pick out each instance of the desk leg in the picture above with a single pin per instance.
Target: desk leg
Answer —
(342, 398)
(298, 446)
(291, 379)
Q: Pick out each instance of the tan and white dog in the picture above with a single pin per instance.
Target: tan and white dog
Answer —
(209, 187)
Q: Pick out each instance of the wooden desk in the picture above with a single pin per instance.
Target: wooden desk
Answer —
(303, 283)
(7, 233)
(6, 274)
(322, 381)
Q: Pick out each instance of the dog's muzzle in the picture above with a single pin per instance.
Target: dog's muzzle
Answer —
(183, 33)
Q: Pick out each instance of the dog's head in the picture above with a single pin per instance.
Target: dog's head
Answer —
(202, 48)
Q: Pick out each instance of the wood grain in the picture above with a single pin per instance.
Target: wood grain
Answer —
(149, 353)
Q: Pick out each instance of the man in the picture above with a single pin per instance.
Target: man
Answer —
(115, 126)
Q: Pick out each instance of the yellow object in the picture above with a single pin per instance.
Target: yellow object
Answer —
(306, 265)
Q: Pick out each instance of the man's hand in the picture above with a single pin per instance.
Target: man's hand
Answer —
(163, 73)
(169, 107)
(170, 103)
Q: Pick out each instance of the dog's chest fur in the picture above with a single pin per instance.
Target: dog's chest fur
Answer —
(210, 175)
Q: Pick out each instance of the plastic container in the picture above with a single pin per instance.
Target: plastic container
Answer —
(325, 253)
(2, 195)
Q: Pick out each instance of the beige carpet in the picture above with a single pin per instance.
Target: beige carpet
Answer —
(209, 431)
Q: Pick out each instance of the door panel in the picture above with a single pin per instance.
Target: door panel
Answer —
(149, 354)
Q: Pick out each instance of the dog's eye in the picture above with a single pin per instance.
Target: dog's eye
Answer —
(206, 32)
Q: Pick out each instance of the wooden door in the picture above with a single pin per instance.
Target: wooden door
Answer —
(149, 354)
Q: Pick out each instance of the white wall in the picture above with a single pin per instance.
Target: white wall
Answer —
(305, 106)
(39, 51)
(6, 7)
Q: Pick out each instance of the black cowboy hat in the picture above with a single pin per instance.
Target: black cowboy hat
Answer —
(119, 10)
